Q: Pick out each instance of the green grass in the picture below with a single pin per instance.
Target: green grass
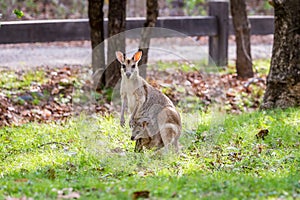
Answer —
(11, 80)
(184, 66)
(260, 66)
(221, 159)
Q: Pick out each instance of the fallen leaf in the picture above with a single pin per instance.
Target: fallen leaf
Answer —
(22, 180)
(16, 198)
(46, 113)
(67, 193)
(262, 134)
(174, 195)
(55, 91)
(51, 173)
(141, 194)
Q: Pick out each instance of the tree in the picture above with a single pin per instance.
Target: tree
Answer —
(110, 75)
(152, 14)
(242, 36)
(102, 75)
(283, 81)
(95, 13)
(116, 27)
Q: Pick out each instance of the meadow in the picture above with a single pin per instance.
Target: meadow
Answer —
(223, 155)
(93, 158)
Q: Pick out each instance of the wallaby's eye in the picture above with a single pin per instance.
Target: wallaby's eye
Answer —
(123, 66)
(133, 66)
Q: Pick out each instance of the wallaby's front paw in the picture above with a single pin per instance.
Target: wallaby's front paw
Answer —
(131, 123)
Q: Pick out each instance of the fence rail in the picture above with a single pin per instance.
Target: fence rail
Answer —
(216, 26)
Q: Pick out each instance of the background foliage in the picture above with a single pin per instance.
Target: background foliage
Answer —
(66, 9)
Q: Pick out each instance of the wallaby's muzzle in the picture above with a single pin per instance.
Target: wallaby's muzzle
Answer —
(128, 74)
(132, 137)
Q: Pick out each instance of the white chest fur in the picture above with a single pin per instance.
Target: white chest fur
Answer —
(128, 87)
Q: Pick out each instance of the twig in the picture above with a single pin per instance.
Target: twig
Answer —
(48, 143)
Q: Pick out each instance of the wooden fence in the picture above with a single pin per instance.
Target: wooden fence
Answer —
(217, 26)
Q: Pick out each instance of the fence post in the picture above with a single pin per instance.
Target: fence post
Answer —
(218, 44)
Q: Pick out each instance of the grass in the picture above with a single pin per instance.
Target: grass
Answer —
(17, 82)
(185, 66)
(92, 156)
(11, 80)
(260, 66)
(220, 159)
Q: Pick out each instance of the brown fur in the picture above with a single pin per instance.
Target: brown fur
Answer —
(162, 129)
(145, 102)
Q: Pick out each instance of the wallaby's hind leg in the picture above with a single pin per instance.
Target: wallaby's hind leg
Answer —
(168, 136)
(170, 127)
(176, 145)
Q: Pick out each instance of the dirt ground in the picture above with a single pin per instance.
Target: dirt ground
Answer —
(56, 54)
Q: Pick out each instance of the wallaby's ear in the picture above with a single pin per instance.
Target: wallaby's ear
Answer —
(137, 56)
(120, 56)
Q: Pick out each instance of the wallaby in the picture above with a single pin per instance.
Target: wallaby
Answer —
(130, 82)
(162, 128)
(143, 138)
(146, 102)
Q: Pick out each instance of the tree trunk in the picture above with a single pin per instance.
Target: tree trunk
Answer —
(116, 41)
(283, 81)
(95, 12)
(152, 14)
(242, 35)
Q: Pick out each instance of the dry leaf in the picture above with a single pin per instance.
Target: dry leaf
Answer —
(225, 89)
(67, 193)
(262, 134)
(22, 180)
(21, 198)
(141, 194)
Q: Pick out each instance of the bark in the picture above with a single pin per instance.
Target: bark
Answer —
(152, 14)
(283, 81)
(95, 12)
(242, 34)
(116, 41)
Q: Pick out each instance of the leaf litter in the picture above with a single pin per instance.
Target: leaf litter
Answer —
(68, 91)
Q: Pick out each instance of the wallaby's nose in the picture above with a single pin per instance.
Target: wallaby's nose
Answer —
(128, 74)
(132, 137)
